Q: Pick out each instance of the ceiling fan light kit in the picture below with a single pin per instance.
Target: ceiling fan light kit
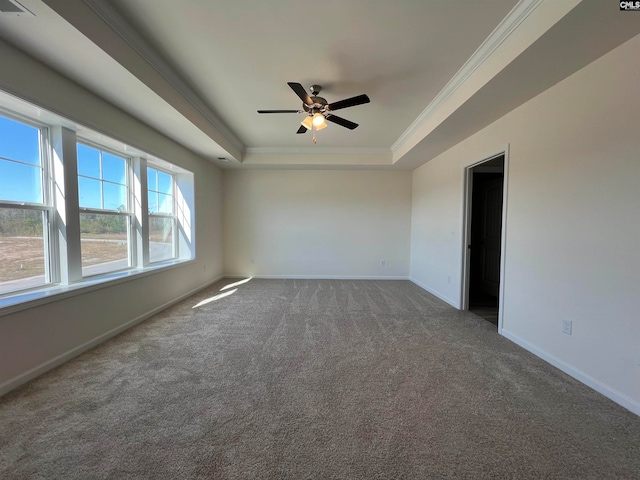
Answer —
(319, 111)
(318, 120)
(307, 123)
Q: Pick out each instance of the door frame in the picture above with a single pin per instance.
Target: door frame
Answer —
(466, 228)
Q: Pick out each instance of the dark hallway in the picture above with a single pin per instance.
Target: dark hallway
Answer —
(485, 245)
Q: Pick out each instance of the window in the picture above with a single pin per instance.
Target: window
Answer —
(53, 241)
(162, 218)
(24, 206)
(105, 216)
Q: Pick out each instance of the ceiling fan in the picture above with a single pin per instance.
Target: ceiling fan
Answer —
(318, 110)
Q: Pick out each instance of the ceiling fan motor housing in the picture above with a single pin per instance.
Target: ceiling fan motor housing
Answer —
(319, 105)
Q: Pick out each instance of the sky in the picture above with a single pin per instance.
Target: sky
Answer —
(19, 182)
(101, 175)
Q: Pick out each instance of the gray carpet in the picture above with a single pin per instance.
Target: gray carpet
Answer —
(313, 379)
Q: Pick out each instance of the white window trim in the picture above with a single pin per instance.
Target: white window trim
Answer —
(47, 204)
(175, 251)
(57, 136)
(130, 201)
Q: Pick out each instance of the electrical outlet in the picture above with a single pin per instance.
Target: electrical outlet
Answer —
(567, 326)
(449, 279)
(383, 263)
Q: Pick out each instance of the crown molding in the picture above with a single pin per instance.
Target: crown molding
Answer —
(505, 28)
(120, 26)
(315, 150)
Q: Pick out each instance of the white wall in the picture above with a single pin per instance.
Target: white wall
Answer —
(36, 339)
(572, 222)
(317, 223)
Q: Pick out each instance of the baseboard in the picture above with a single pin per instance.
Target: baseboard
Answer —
(442, 297)
(29, 375)
(618, 397)
(325, 277)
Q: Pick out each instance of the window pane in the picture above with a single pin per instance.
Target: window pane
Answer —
(166, 203)
(104, 243)
(20, 182)
(88, 161)
(115, 196)
(152, 179)
(21, 249)
(160, 239)
(89, 193)
(113, 168)
(164, 183)
(153, 202)
(19, 141)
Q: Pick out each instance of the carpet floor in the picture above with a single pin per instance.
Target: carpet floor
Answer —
(313, 379)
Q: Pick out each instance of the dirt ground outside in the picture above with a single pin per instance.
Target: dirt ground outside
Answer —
(23, 257)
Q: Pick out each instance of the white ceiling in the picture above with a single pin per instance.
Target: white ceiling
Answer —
(436, 71)
(239, 55)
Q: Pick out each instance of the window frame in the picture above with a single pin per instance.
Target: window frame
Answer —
(128, 160)
(131, 251)
(46, 207)
(173, 216)
(58, 137)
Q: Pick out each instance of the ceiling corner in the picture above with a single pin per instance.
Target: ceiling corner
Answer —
(524, 24)
(216, 128)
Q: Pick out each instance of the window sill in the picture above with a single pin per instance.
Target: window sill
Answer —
(41, 296)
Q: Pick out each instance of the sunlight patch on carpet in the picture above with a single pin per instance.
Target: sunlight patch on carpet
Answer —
(214, 298)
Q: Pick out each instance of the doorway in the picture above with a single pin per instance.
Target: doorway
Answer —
(484, 238)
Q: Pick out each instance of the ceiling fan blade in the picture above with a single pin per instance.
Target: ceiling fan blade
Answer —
(302, 129)
(341, 121)
(301, 92)
(279, 111)
(349, 102)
